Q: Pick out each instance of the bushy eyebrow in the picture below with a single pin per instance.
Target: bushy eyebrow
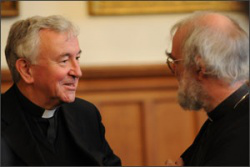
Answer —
(68, 55)
(80, 51)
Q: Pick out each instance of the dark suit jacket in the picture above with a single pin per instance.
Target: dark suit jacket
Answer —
(83, 120)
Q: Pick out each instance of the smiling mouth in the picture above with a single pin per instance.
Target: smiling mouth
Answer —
(70, 86)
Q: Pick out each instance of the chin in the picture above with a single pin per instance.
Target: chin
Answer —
(68, 99)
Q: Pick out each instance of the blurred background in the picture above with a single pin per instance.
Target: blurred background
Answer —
(124, 70)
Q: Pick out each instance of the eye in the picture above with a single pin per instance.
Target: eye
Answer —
(78, 58)
(64, 61)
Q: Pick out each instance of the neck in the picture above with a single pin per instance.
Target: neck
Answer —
(218, 91)
(35, 97)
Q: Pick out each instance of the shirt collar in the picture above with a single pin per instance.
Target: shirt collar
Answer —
(48, 113)
(32, 108)
(228, 104)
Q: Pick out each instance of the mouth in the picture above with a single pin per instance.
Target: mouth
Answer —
(70, 86)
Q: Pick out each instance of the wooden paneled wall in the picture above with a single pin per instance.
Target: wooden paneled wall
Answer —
(144, 123)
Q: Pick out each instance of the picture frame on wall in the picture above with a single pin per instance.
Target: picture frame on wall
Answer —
(96, 8)
(9, 8)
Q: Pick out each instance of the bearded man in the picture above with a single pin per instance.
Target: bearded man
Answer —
(210, 59)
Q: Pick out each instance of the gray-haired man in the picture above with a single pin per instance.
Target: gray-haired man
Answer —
(210, 59)
(42, 121)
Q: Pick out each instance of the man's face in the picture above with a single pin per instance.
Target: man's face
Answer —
(190, 92)
(57, 71)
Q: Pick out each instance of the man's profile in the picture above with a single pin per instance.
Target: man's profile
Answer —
(210, 59)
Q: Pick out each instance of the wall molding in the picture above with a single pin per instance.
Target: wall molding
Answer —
(116, 78)
(108, 72)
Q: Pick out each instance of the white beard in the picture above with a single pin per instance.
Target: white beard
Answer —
(191, 96)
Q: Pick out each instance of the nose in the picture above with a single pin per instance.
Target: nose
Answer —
(75, 70)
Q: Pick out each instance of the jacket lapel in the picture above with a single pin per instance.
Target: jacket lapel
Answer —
(76, 131)
(16, 131)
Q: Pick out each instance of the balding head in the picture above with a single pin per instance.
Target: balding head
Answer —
(218, 40)
(209, 20)
(214, 20)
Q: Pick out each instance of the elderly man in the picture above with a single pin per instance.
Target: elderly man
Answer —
(42, 121)
(210, 59)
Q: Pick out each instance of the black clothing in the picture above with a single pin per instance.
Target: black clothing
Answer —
(224, 137)
(79, 135)
(64, 151)
(43, 129)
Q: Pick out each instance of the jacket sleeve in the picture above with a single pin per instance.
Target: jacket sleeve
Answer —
(110, 159)
(8, 157)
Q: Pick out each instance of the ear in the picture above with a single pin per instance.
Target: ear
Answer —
(24, 69)
(201, 68)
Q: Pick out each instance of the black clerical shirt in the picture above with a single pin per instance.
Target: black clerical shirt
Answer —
(44, 129)
(62, 150)
(224, 137)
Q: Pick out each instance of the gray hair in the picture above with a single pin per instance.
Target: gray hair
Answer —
(23, 40)
(225, 53)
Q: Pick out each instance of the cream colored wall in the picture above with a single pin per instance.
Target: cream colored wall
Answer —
(109, 40)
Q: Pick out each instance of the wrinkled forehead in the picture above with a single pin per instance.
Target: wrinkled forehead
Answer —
(180, 34)
(177, 42)
(57, 42)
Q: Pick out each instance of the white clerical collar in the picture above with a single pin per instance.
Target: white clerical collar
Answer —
(49, 113)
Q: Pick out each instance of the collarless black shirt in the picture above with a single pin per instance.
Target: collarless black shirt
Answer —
(230, 104)
(224, 137)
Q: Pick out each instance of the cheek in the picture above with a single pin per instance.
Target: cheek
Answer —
(50, 73)
(51, 79)
(179, 77)
(40, 76)
(57, 74)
